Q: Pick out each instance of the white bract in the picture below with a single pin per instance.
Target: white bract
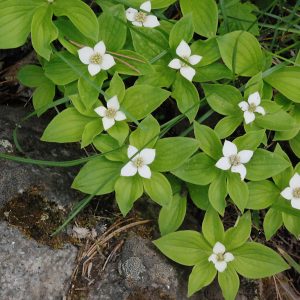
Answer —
(220, 257)
(111, 114)
(142, 18)
(251, 107)
(292, 192)
(96, 59)
(184, 51)
(233, 159)
(139, 163)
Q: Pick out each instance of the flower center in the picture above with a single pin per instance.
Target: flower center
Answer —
(234, 160)
(110, 113)
(139, 162)
(252, 108)
(220, 257)
(296, 193)
(183, 61)
(140, 17)
(96, 59)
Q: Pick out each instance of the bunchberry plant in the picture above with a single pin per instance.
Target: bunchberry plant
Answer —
(117, 70)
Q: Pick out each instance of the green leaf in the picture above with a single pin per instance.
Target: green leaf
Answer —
(272, 222)
(295, 145)
(208, 49)
(237, 190)
(112, 27)
(128, 190)
(279, 120)
(160, 76)
(184, 247)
(254, 261)
(285, 135)
(205, 15)
(87, 88)
(161, 3)
(229, 282)
(15, 21)
(239, 17)
(66, 127)
(217, 193)
(116, 88)
(212, 72)
(141, 100)
(105, 143)
(62, 73)
(292, 224)
(227, 125)
(131, 63)
(282, 179)
(158, 188)
(43, 96)
(250, 141)
(99, 174)
(146, 134)
(167, 159)
(33, 76)
(43, 31)
(67, 32)
(291, 133)
(223, 99)
(212, 227)
(119, 132)
(241, 53)
(136, 3)
(182, 30)
(80, 107)
(91, 130)
(200, 169)
(286, 80)
(150, 43)
(202, 275)
(254, 84)
(208, 140)
(199, 195)
(172, 215)
(238, 235)
(265, 164)
(284, 206)
(186, 96)
(80, 14)
(262, 194)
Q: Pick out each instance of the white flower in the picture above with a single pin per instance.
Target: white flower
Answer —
(251, 107)
(139, 163)
(220, 258)
(293, 191)
(96, 58)
(233, 159)
(141, 18)
(111, 114)
(184, 52)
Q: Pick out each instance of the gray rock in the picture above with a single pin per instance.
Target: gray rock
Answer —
(52, 183)
(141, 272)
(31, 271)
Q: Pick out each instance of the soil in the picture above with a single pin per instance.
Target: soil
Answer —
(36, 217)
